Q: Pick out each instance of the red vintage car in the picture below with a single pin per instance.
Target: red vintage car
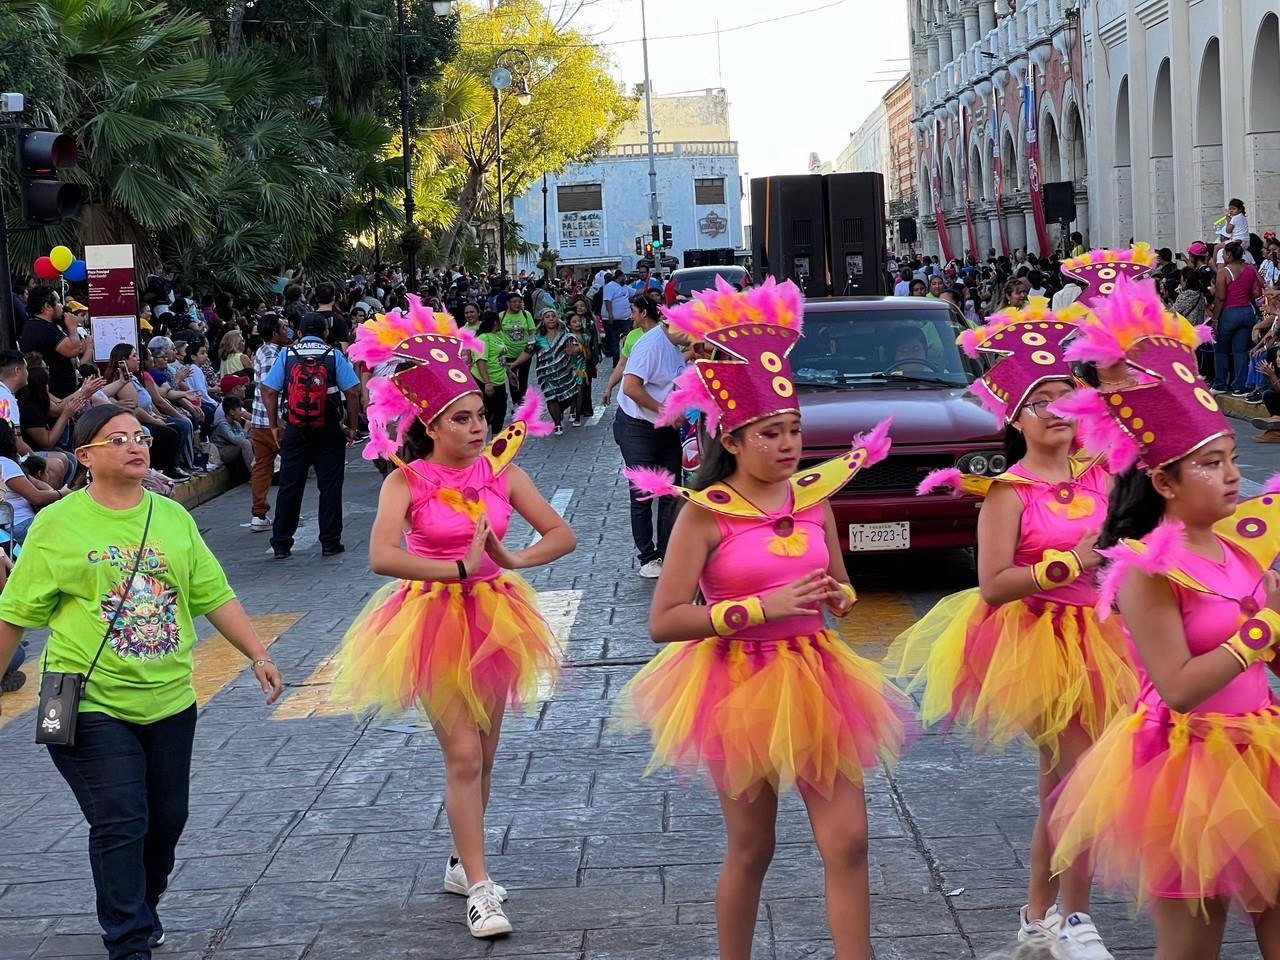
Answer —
(863, 359)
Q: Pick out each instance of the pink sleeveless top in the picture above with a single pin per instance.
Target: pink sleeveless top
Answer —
(446, 504)
(1054, 517)
(1209, 619)
(757, 556)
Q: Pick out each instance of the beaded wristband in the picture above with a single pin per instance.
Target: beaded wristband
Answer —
(1256, 638)
(730, 616)
(1056, 568)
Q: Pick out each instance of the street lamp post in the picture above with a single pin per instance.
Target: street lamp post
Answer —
(545, 246)
(410, 253)
(500, 78)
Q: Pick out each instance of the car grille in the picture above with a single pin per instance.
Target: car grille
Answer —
(902, 473)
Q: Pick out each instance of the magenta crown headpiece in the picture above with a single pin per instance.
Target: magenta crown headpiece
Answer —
(1160, 410)
(1100, 270)
(1028, 343)
(753, 332)
(441, 371)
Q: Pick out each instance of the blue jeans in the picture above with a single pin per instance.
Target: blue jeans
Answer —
(1234, 326)
(185, 430)
(644, 445)
(131, 781)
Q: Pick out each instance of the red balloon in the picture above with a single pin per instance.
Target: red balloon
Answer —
(45, 269)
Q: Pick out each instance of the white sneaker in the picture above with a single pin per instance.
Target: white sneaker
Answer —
(259, 524)
(455, 880)
(1078, 939)
(484, 912)
(1040, 931)
(651, 570)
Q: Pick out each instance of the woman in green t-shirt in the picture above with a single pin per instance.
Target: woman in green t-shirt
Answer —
(490, 370)
(130, 765)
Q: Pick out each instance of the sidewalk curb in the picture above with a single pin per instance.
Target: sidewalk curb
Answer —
(200, 490)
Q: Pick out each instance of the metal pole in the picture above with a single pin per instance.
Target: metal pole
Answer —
(8, 326)
(648, 112)
(502, 213)
(545, 245)
(411, 279)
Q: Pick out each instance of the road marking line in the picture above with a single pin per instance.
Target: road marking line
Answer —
(595, 417)
(217, 663)
(559, 503)
(877, 619)
(312, 697)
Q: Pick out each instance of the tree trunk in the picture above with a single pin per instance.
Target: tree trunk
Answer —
(235, 25)
(467, 200)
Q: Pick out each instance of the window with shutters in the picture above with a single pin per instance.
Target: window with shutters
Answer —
(579, 196)
(708, 190)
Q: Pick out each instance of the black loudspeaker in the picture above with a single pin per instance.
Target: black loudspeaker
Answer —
(856, 233)
(720, 257)
(907, 229)
(1059, 202)
(695, 258)
(787, 234)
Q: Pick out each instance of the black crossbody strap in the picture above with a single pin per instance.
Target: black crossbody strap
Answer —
(124, 597)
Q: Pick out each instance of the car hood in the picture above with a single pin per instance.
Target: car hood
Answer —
(920, 416)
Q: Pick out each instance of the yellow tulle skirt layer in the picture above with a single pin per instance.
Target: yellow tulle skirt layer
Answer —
(1172, 805)
(805, 710)
(1023, 670)
(461, 651)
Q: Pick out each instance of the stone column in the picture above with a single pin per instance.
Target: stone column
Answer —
(986, 17)
(1140, 127)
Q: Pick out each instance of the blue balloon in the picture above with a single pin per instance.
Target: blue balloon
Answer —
(77, 271)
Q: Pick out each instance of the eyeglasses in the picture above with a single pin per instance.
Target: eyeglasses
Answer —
(1040, 408)
(120, 441)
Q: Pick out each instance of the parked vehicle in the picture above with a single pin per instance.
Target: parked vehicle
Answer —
(690, 280)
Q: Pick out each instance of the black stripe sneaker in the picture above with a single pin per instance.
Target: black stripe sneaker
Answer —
(484, 912)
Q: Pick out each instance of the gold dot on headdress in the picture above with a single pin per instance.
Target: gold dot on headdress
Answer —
(1206, 399)
(1137, 423)
(1106, 273)
(782, 387)
(457, 376)
(715, 384)
(732, 404)
(1033, 339)
(1126, 412)
(438, 354)
(724, 394)
(1043, 358)
(1183, 373)
(1106, 287)
(771, 361)
(1116, 400)
(733, 334)
(1148, 437)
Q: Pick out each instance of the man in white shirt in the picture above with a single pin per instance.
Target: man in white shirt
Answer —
(615, 310)
(652, 368)
(903, 287)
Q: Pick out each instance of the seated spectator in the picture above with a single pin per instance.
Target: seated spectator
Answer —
(23, 491)
(230, 433)
(137, 393)
(233, 358)
(46, 420)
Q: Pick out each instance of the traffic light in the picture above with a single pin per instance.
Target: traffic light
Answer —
(666, 235)
(45, 199)
(639, 246)
(648, 249)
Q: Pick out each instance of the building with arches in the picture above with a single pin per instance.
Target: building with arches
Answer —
(1184, 115)
(997, 97)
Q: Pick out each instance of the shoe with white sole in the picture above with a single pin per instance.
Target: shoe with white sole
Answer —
(259, 524)
(1040, 931)
(1078, 939)
(651, 570)
(455, 880)
(484, 912)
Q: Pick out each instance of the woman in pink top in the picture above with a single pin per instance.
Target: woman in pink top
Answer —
(1236, 288)
(455, 633)
(1022, 656)
(1179, 801)
(751, 685)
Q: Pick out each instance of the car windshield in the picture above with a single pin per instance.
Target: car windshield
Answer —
(690, 283)
(867, 346)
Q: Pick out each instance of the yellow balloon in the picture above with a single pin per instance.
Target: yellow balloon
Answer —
(62, 257)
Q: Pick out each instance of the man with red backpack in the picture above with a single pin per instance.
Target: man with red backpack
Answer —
(313, 379)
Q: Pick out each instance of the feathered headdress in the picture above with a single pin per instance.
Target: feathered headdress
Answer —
(439, 375)
(752, 332)
(1098, 271)
(1154, 409)
(1028, 343)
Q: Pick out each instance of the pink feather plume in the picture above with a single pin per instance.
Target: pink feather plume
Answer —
(1160, 557)
(690, 394)
(651, 482)
(1096, 430)
(390, 416)
(935, 479)
(378, 337)
(988, 400)
(530, 412)
(876, 442)
(771, 303)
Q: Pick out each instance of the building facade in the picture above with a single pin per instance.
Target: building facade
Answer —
(900, 183)
(997, 96)
(593, 212)
(1184, 115)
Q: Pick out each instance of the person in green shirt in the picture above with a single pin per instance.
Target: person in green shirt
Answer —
(130, 764)
(490, 370)
(518, 332)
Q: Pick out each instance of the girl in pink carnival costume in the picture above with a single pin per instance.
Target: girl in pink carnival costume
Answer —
(751, 685)
(456, 633)
(1023, 656)
(1179, 802)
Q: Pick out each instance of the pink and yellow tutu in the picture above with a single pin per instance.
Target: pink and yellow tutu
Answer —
(1028, 669)
(1184, 806)
(803, 710)
(462, 651)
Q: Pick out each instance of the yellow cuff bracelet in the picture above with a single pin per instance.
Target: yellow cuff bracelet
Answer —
(850, 595)
(1056, 568)
(731, 616)
(1256, 638)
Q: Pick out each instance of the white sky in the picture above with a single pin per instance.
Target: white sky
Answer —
(795, 85)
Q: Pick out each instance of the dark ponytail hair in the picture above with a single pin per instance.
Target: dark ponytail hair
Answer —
(1015, 444)
(716, 464)
(417, 442)
(1135, 508)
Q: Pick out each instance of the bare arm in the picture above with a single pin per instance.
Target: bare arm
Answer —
(999, 524)
(618, 370)
(233, 623)
(673, 616)
(36, 493)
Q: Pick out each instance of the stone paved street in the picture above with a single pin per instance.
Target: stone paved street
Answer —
(316, 837)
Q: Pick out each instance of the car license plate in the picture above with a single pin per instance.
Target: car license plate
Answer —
(879, 536)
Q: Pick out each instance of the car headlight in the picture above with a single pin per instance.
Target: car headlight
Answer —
(997, 464)
(978, 464)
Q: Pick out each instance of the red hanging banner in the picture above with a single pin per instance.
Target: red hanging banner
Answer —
(968, 192)
(997, 177)
(935, 180)
(1033, 160)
